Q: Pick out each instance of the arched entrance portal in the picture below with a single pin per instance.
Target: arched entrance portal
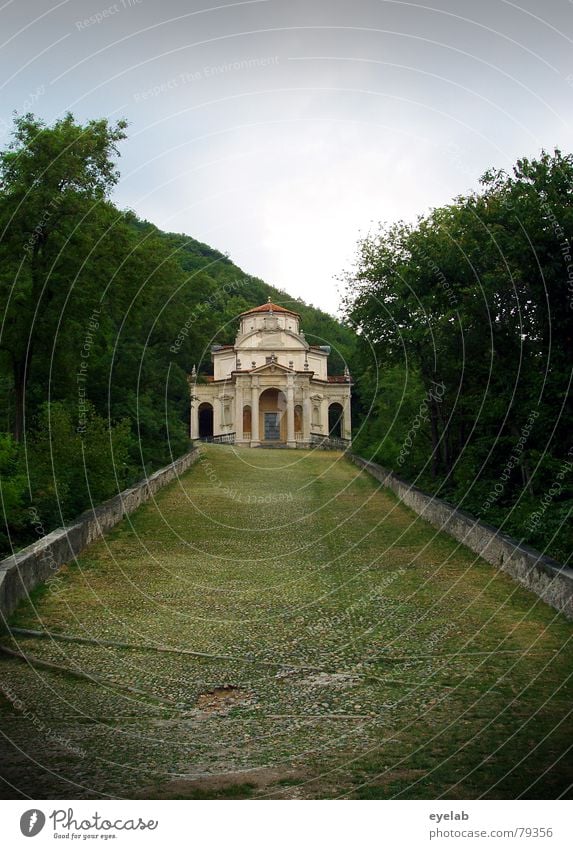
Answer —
(205, 420)
(335, 412)
(272, 416)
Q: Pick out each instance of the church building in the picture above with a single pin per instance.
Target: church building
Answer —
(271, 387)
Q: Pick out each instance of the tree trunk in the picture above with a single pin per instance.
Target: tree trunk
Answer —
(435, 440)
(524, 467)
(21, 372)
(21, 364)
(526, 477)
(445, 441)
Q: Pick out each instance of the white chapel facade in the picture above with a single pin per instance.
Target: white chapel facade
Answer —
(270, 387)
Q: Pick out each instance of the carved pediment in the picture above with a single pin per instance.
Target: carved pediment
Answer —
(272, 368)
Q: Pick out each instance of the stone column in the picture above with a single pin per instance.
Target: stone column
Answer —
(217, 410)
(346, 419)
(238, 411)
(194, 415)
(290, 412)
(254, 412)
(306, 414)
(323, 406)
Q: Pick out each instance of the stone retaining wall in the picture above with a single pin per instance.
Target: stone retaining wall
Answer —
(39, 562)
(541, 574)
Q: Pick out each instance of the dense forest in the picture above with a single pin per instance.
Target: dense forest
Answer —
(465, 360)
(103, 318)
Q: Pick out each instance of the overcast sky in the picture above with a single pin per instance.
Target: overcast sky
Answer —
(280, 130)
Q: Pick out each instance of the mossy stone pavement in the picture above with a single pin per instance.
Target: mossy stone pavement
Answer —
(328, 643)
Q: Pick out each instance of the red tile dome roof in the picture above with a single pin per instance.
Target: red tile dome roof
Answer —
(270, 307)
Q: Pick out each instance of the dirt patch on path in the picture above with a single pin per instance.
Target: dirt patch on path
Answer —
(243, 784)
(223, 699)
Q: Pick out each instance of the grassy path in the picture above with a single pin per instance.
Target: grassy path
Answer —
(341, 648)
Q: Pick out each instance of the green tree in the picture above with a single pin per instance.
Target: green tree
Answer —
(50, 177)
(477, 297)
(13, 487)
(71, 469)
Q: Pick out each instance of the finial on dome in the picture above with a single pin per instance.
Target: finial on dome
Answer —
(269, 299)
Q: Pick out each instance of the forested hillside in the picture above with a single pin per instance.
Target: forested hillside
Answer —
(103, 318)
(458, 336)
(466, 328)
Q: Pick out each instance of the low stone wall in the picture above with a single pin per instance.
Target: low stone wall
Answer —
(39, 562)
(541, 574)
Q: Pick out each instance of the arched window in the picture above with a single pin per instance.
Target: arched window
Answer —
(205, 420)
(335, 413)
